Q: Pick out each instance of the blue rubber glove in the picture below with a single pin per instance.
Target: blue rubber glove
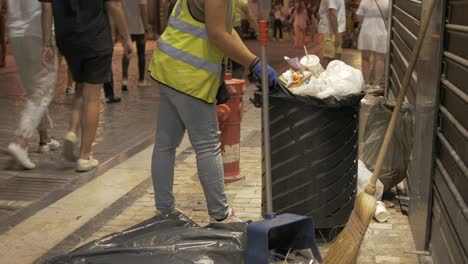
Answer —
(272, 77)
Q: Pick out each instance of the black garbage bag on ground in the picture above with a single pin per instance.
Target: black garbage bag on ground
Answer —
(159, 240)
(172, 240)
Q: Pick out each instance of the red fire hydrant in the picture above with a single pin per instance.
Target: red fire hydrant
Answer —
(229, 119)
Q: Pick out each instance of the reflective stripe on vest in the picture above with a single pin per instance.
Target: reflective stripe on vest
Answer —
(188, 28)
(189, 58)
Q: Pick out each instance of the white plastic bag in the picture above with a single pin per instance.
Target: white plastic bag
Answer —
(341, 80)
(364, 176)
(338, 80)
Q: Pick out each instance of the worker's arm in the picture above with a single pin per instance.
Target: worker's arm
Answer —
(144, 17)
(332, 17)
(230, 43)
(114, 7)
(47, 20)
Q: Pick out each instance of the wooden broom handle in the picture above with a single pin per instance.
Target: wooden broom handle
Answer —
(401, 96)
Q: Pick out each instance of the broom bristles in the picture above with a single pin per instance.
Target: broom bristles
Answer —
(345, 248)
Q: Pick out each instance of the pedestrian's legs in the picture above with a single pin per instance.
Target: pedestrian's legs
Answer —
(69, 79)
(109, 88)
(280, 27)
(169, 134)
(379, 69)
(275, 29)
(89, 117)
(297, 36)
(42, 129)
(76, 109)
(338, 46)
(141, 49)
(200, 119)
(366, 67)
(39, 84)
(125, 64)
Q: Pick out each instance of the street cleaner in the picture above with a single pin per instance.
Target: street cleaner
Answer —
(189, 66)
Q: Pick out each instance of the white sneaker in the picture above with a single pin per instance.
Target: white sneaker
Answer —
(143, 83)
(69, 143)
(51, 145)
(83, 165)
(231, 218)
(21, 155)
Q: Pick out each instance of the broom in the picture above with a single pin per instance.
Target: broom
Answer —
(345, 249)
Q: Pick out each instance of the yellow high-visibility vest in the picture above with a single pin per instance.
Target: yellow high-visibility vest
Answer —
(185, 59)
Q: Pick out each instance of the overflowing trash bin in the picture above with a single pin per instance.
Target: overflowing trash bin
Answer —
(314, 143)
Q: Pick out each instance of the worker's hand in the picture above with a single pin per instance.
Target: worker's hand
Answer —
(272, 77)
(48, 57)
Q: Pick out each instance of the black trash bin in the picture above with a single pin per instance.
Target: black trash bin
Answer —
(314, 152)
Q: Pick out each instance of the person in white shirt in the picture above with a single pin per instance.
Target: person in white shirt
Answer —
(332, 24)
(373, 39)
(25, 38)
(136, 12)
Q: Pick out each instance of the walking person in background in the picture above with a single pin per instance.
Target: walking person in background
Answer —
(278, 24)
(300, 24)
(70, 83)
(136, 12)
(332, 24)
(24, 30)
(242, 11)
(290, 19)
(109, 86)
(373, 40)
(83, 35)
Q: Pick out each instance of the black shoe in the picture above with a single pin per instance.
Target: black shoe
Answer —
(124, 86)
(113, 100)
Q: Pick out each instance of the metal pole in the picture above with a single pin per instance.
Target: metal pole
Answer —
(263, 27)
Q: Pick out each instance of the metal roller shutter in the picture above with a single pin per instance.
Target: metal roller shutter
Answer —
(406, 15)
(449, 236)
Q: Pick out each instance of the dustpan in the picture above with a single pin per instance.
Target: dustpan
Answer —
(275, 232)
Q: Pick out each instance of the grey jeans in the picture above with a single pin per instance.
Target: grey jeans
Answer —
(38, 82)
(179, 112)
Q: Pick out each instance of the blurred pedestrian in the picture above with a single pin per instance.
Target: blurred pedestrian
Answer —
(24, 30)
(372, 40)
(278, 23)
(70, 83)
(189, 67)
(332, 24)
(242, 11)
(109, 86)
(300, 24)
(2, 37)
(136, 12)
(83, 35)
(290, 19)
